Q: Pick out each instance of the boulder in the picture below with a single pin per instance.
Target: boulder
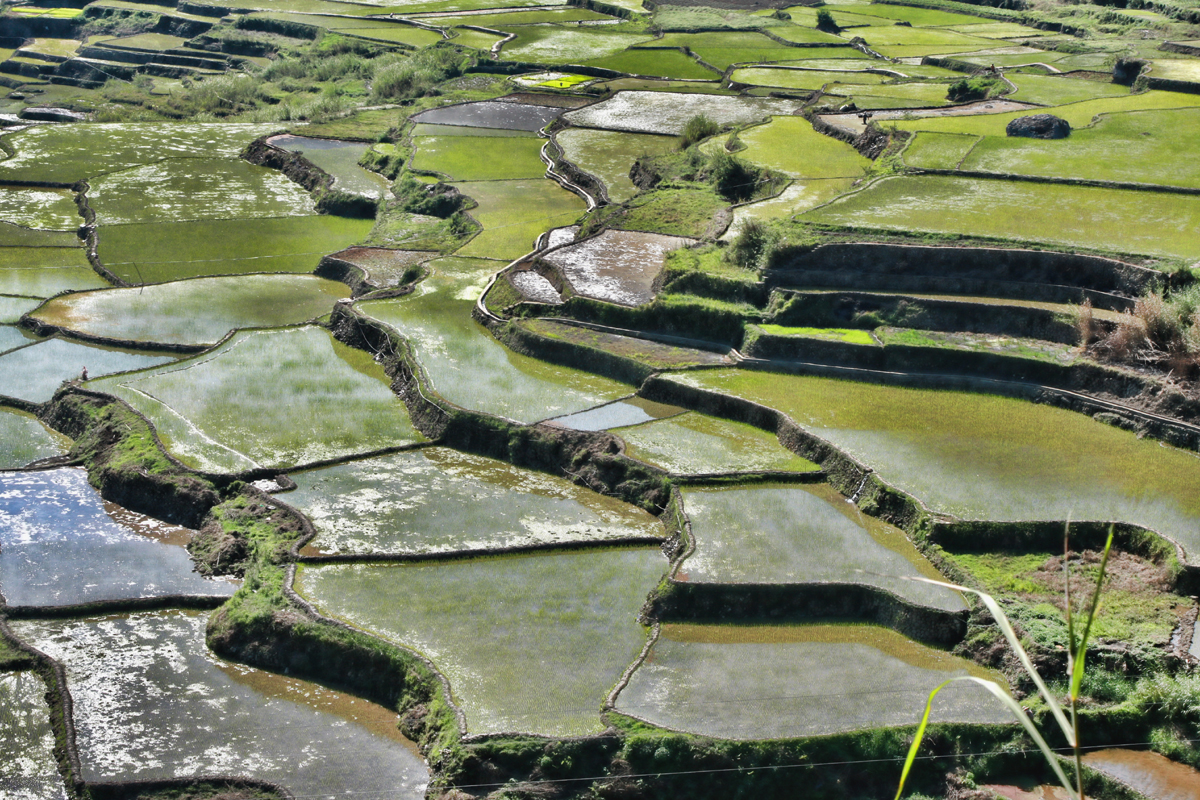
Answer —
(1039, 126)
(52, 115)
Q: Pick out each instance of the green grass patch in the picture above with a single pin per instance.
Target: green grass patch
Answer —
(790, 145)
(368, 126)
(480, 159)
(917, 17)
(1075, 216)
(1055, 90)
(609, 155)
(938, 150)
(655, 63)
(514, 213)
(802, 79)
(681, 212)
(849, 335)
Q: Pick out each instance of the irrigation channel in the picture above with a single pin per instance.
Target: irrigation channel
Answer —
(594, 400)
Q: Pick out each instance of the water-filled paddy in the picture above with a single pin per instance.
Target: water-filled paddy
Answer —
(467, 158)
(61, 545)
(199, 311)
(173, 250)
(806, 79)
(609, 155)
(802, 534)
(467, 366)
(631, 411)
(339, 159)
(46, 271)
(11, 336)
(693, 444)
(384, 267)
(23, 439)
(1149, 773)
(667, 113)
(34, 373)
(987, 457)
(52, 209)
(800, 196)
(152, 702)
(27, 740)
(1080, 216)
(790, 681)
(515, 213)
(491, 114)
(270, 398)
(530, 643)
(439, 500)
(616, 266)
(68, 153)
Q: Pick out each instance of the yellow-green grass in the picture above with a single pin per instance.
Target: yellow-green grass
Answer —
(849, 335)
(432, 129)
(270, 398)
(609, 155)
(147, 691)
(802, 35)
(167, 251)
(917, 17)
(677, 212)
(787, 681)
(34, 373)
(995, 30)
(1075, 216)
(46, 271)
(986, 457)
(1077, 114)
(805, 79)
(655, 63)
(69, 153)
(531, 17)
(933, 38)
(52, 47)
(789, 534)
(790, 145)
(693, 444)
(800, 196)
(363, 126)
(566, 81)
(904, 95)
(724, 48)
(379, 29)
(1154, 147)
(1057, 90)
(476, 39)
(182, 189)
(529, 643)
(467, 366)
(929, 150)
(53, 13)
(515, 213)
(550, 44)
(1176, 69)
(142, 41)
(478, 159)
(24, 439)
(807, 16)
(440, 500)
(199, 311)
(16, 236)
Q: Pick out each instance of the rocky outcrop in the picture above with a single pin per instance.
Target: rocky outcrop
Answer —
(1039, 126)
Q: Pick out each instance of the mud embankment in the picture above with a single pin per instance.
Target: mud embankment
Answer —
(319, 183)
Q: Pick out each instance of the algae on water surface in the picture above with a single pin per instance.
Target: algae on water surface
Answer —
(694, 443)
(530, 643)
(30, 770)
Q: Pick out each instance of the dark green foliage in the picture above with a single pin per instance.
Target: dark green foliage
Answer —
(826, 22)
(697, 129)
(419, 74)
(431, 199)
(969, 89)
(750, 247)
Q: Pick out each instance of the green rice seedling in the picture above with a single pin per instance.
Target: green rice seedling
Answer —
(1077, 639)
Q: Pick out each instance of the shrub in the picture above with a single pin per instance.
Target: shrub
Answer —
(419, 74)
(752, 244)
(697, 128)
(826, 22)
(969, 89)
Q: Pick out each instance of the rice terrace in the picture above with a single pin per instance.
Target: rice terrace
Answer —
(599, 399)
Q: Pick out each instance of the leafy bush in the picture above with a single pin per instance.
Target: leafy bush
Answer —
(969, 89)
(826, 22)
(419, 74)
(752, 244)
(696, 129)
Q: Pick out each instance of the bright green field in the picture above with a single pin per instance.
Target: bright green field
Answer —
(918, 17)
(851, 335)
(655, 63)
(46, 271)
(1177, 69)
(174, 250)
(531, 644)
(467, 366)
(533, 17)
(183, 189)
(1078, 216)
(724, 48)
(1154, 146)
(903, 95)
(1052, 90)
(790, 145)
(477, 39)
(199, 311)
(806, 79)
(797, 33)
(437, 500)
(742, 682)
(68, 153)
(23, 439)
(987, 457)
(272, 398)
(14, 236)
(938, 150)
(1078, 114)
(800, 196)
(802, 534)
(379, 29)
(609, 155)
(515, 213)
(467, 158)
(694, 444)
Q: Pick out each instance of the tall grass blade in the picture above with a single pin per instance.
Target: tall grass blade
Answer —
(1081, 652)
(1011, 635)
(1012, 705)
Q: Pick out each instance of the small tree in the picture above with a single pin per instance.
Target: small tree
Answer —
(826, 22)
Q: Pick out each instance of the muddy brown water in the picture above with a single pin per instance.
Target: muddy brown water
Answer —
(1155, 776)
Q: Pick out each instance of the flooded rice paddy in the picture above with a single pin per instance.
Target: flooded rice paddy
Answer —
(60, 545)
(515, 213)
(609, 155)
(792, 681)
(694, 444)
(492, 114)
(199, 311)
(437, 500)
(269, 398)
(46, 271)
(663, 113)
(34, 373)
(630, 411)
(1148, 773)
(23, 439)
(530, 643)
(802, 534)
(384, 267)
(467, 366)
(152, 702)
(616, 266)
(30, 769)
(986, 457)
(52, 209)
(339, 159)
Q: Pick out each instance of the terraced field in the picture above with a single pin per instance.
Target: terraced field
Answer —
(482, 398)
